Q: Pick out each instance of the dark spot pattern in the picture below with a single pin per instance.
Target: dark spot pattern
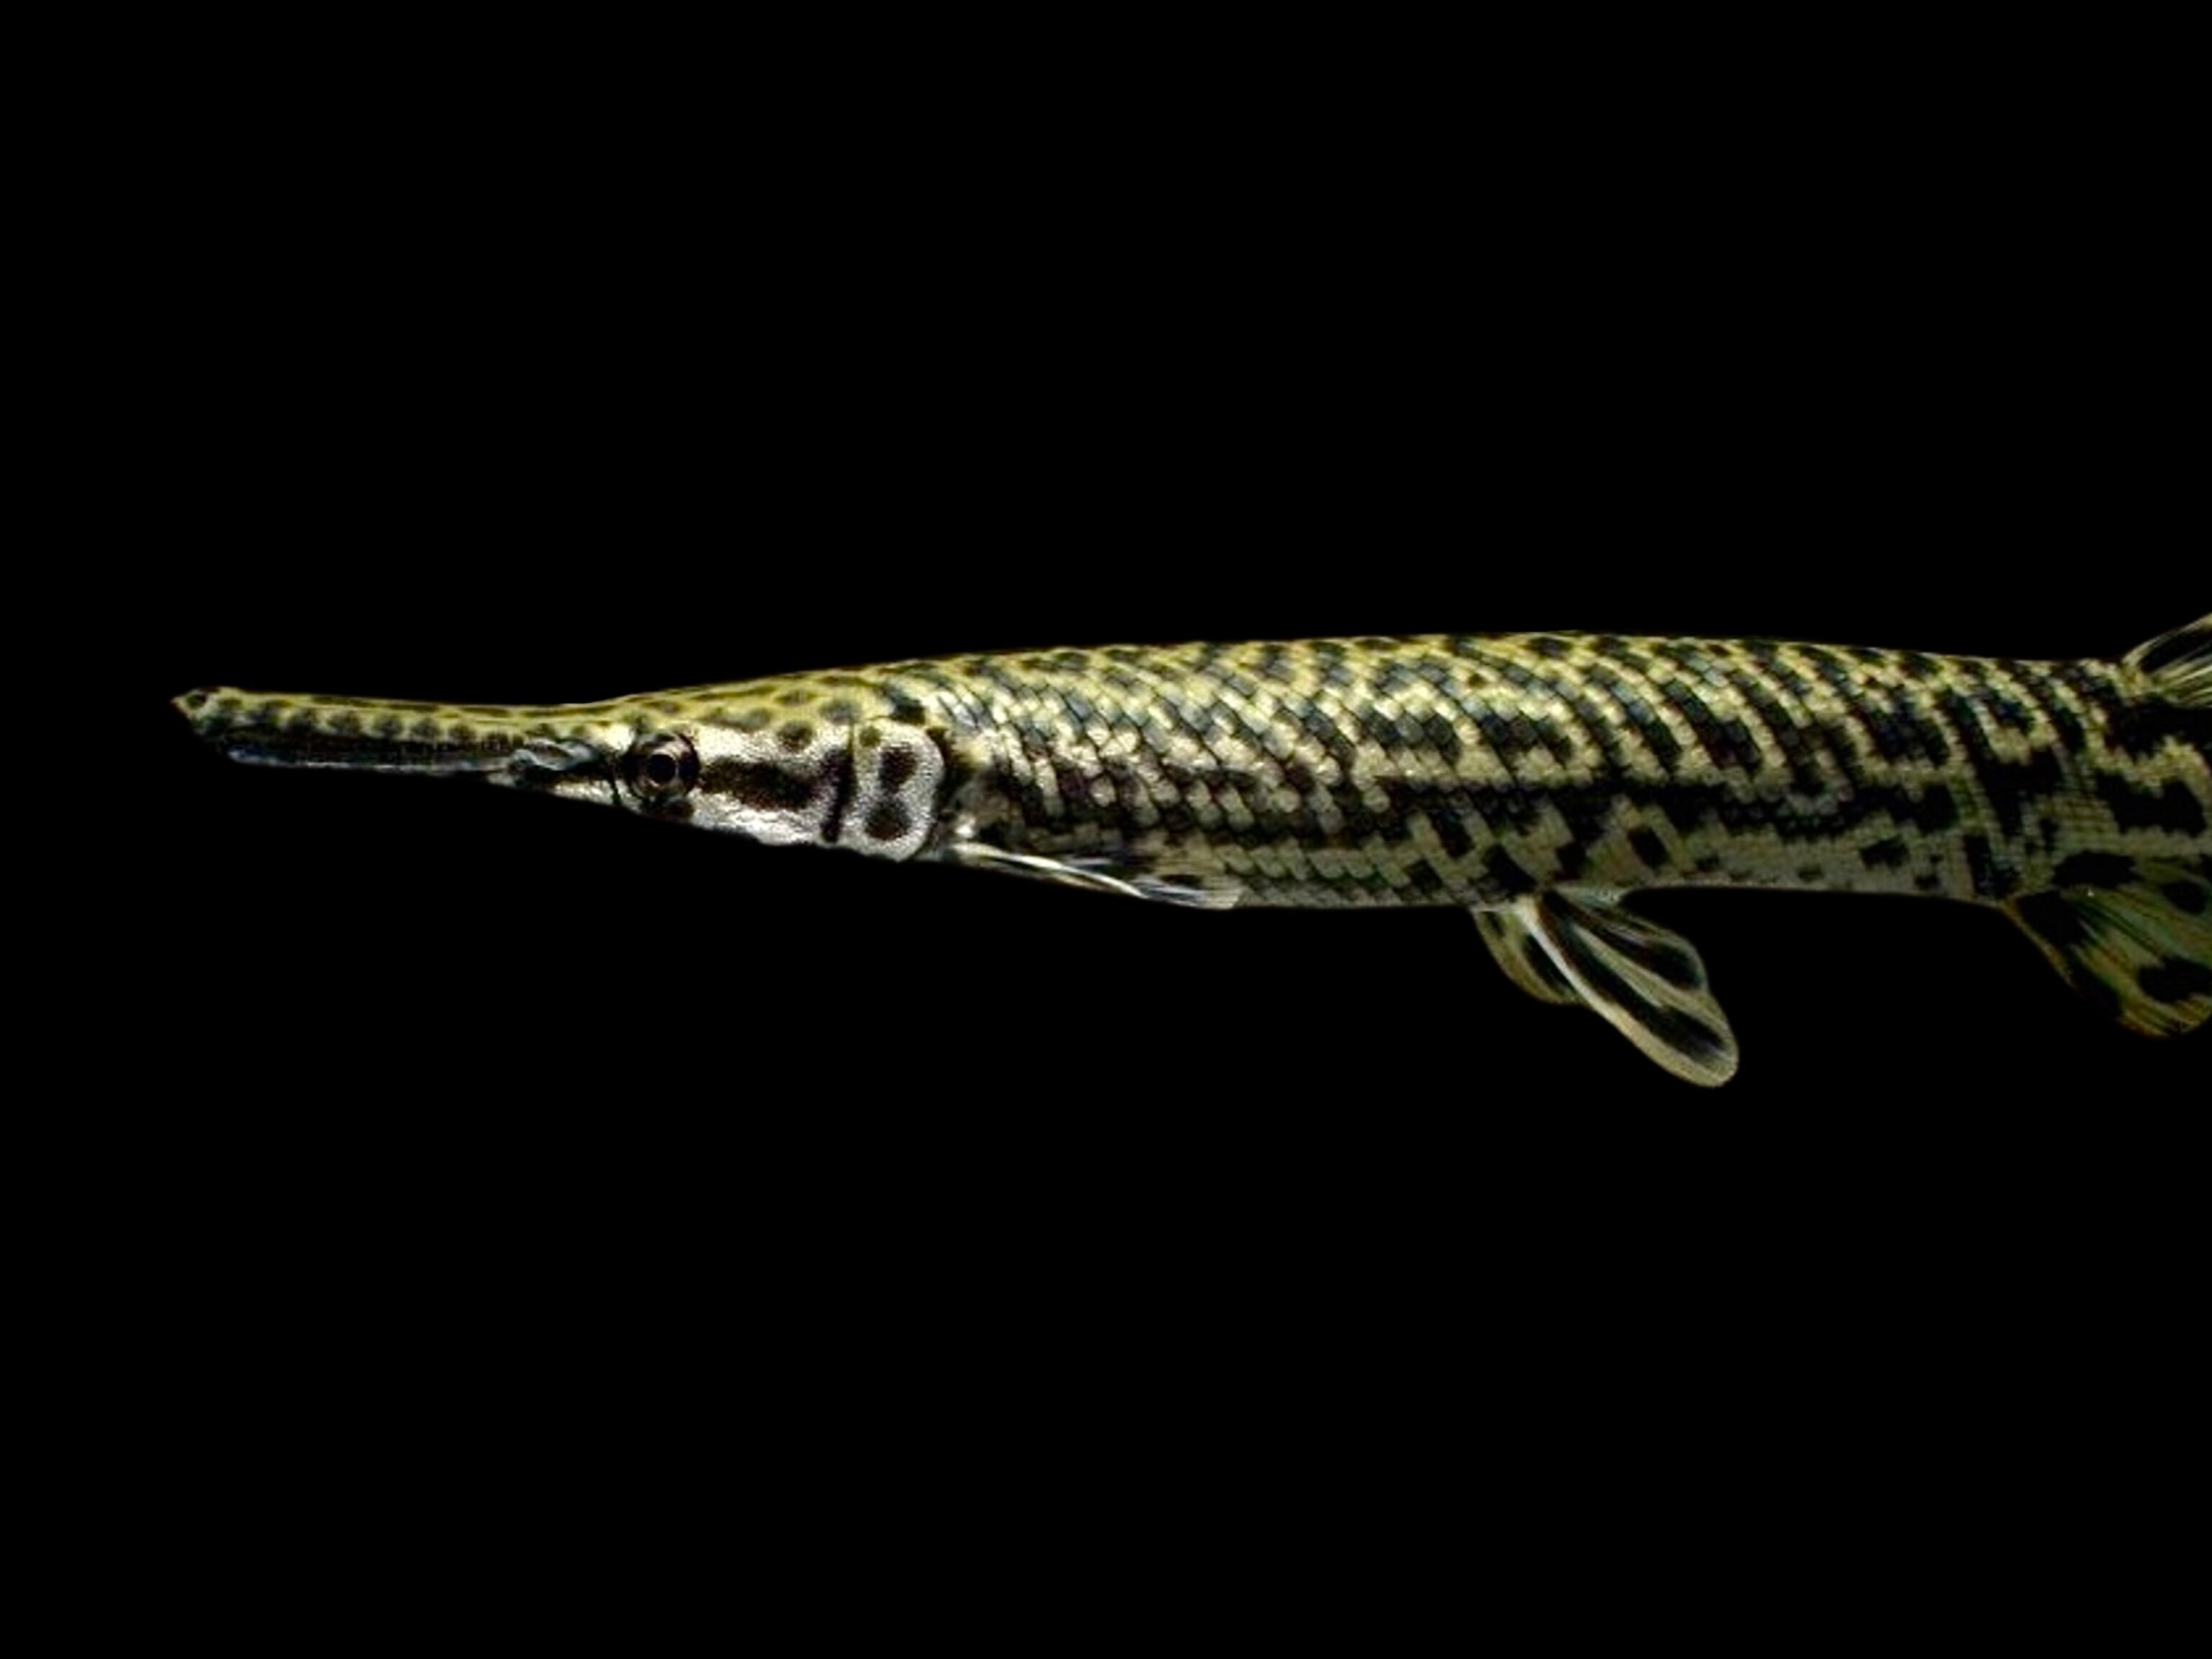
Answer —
(1994, 877)
(2169, 807)
(837, 775)
(1665, 749)
(2190, 897)
(758, 784)
(2174, 980)
(894, 768)
(2094, 870)
(1507, 877)
(1935, 810)
(1887, 853)
(1451, 832)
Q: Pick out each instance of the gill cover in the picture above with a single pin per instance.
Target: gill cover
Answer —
(896, 772)
(871, 787)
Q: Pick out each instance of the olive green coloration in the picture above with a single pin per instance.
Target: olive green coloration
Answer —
(1532, 779)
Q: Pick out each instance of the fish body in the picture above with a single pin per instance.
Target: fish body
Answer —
(1533, 778)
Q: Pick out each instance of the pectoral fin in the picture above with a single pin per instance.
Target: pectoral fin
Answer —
(1646, 980)
(1131, 876)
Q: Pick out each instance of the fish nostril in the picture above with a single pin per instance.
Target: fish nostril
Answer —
(192, 701)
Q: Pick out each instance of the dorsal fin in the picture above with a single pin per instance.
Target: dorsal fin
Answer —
(2178, 665)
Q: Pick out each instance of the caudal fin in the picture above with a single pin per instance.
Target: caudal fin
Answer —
(2134, 935)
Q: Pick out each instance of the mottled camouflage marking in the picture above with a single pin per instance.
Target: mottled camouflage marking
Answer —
(1459, 770)
(1501, 773)
(1469, 769)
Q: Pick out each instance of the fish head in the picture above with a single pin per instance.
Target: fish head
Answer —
(727, 758)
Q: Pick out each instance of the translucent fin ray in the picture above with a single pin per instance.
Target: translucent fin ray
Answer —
(1646, 981)
(2178, 664)
(1523, 958)
(1130, 878)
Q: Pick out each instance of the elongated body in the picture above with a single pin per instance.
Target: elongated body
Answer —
(1533, 778)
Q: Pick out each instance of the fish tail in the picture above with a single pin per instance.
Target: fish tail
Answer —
(2134, 933)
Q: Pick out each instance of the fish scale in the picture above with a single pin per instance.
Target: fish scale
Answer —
(1534, 778)
(1751, 765)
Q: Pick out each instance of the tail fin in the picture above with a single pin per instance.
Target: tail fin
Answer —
(2178, 665)
(2134, 934)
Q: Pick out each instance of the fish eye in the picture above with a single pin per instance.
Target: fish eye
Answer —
(662, 768)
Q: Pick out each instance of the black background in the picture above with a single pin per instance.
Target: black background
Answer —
(432, 439)
(461, 1106)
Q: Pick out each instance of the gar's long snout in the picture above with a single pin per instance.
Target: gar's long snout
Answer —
(363, 733)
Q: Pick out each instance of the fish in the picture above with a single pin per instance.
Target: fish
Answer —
(1538, 780)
